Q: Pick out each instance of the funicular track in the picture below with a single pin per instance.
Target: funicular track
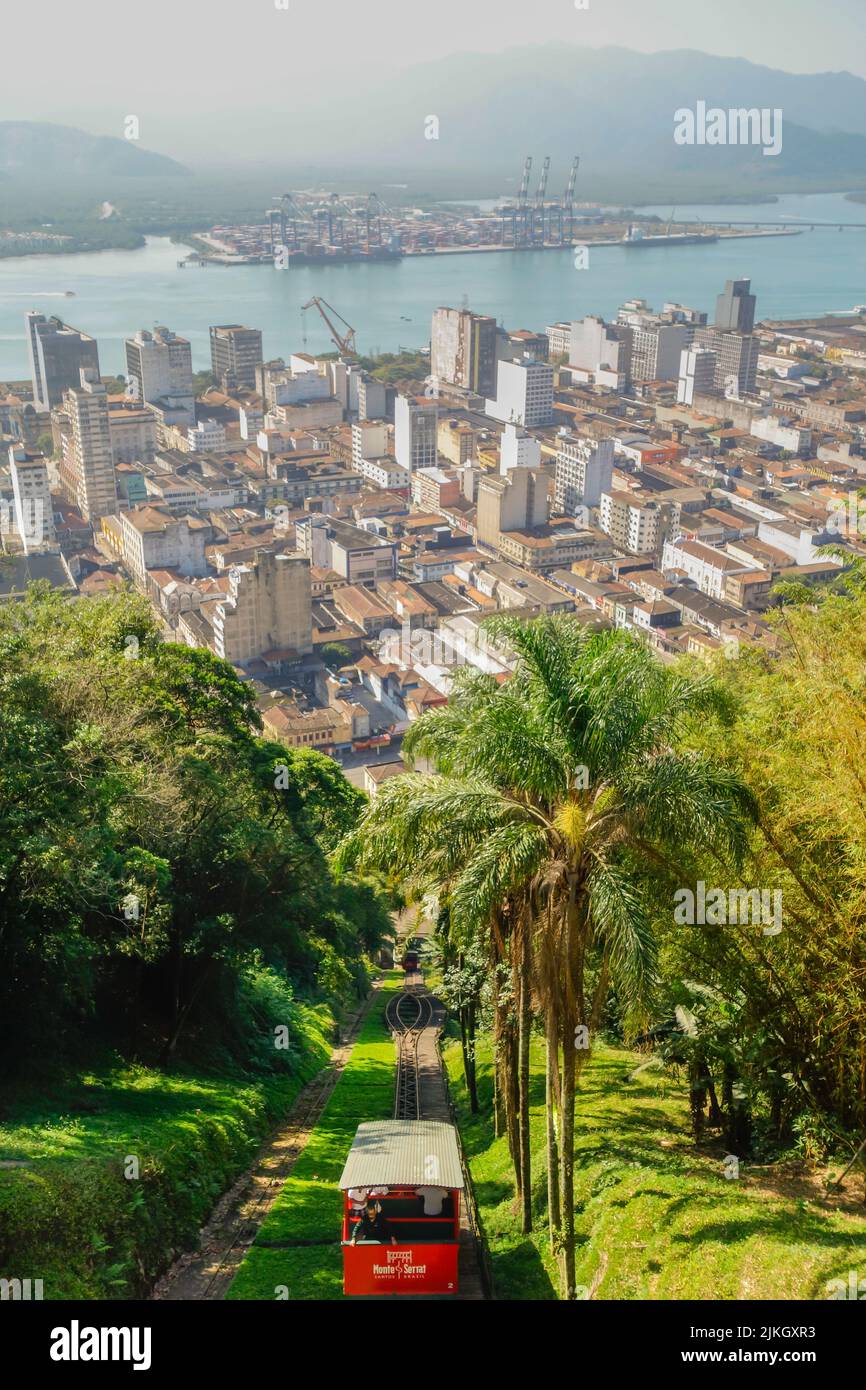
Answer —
(408, 1015)
(415, 1019)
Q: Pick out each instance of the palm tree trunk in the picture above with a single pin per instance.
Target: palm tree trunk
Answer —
(524, 1048)
(554, 1215)
(567, 1156)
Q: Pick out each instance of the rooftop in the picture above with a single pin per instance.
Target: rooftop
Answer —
(403, 1153)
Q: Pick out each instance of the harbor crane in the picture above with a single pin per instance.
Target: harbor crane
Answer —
(373, 212)
(284, 216)
(565, 212)
(523, 212)
(537, 221)
(333, 217)
(344, 342)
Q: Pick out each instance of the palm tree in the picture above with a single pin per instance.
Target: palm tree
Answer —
(554, 794)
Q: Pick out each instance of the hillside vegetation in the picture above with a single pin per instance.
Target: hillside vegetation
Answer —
(173, 944)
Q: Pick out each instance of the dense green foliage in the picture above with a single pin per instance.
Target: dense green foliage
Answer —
(575, 807)
(163, 872)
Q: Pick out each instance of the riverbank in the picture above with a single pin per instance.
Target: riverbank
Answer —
(118, 292)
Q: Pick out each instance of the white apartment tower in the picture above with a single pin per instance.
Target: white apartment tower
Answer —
(584, 470)
(160, 365)
(518, 449)
(632, 525)
(31, 489)
(524, 394)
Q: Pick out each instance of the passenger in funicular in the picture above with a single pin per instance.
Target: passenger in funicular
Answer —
(373, 1226)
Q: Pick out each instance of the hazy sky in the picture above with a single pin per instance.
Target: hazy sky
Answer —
(184, 66)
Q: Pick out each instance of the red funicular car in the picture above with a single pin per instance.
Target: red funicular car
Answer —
(411, 1170)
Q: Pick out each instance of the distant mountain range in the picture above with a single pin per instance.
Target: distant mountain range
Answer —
(37, 149)
(612, 106)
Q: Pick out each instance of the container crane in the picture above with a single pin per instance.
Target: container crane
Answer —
(373, 212)
(523, 212)
(538, 217)
(565, 213)
(344, 342)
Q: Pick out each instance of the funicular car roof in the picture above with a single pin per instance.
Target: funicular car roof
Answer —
(403, 1153)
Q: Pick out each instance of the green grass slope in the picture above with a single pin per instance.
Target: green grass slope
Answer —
(297, 1252)
(71, 1216)
(656, 1217)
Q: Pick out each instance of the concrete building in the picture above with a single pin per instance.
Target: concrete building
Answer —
(596, 346)
(463, 350)
(153, 539)
(268, 613)
(385, 473)
(209, 436)
(369, 441)
(372, 399)
(458, 443)
(735, 307)
(736, 366)
(57, 355)
(774, 429)
(31, 491)
(632, 524)
(697, 374)
(518, 449)
(434, 488)
(656, 344)
(524, 394)
(87, 469)
(354, 554)
(235, 352)
(160, 365)
(516, 502)
(584, 470)
(416, 425)
(133, 432)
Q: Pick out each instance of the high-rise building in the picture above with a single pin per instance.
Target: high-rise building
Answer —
(736, 355)
(697, 374)
(632, 523)
(463, 350)
(735, 307)
(518, 449)
(31, 490)
(584, 470)
(596, 346)
(372, 399)
(268, 612)
(516, 502)
(160, 365)
(416, 425)
(656, 342)
(235, 352)
(87, 471)
(57, 355)
(524, 394)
